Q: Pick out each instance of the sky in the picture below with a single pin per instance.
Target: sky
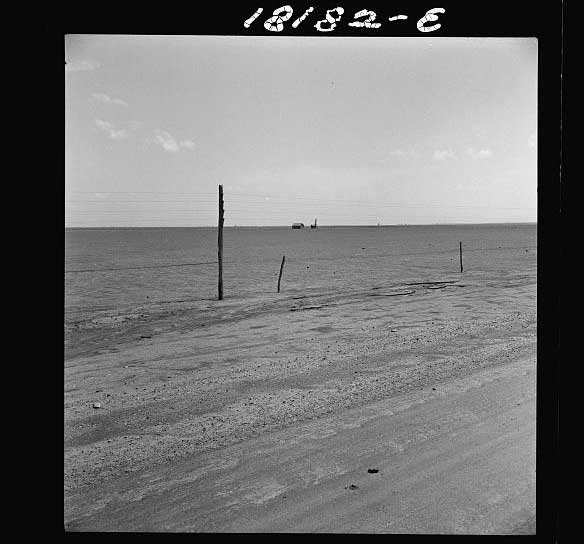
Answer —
(352, 131)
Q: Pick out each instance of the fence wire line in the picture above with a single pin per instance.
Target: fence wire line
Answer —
(260, 198)
(138, 267)
(175, 265)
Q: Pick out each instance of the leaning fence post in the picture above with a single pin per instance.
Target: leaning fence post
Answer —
(281, 268)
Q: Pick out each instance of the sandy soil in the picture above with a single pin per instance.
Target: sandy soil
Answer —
(259, 415)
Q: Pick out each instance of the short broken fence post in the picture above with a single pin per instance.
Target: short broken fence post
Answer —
(281, 269)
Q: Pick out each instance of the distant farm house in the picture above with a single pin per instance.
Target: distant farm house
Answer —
(297, 225)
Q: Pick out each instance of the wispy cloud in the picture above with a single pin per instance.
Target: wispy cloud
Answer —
(81, 66)
(168, 142)
(480, 154)
(532, 140)
(105, 99)
(188, 144)
(442, 155)
(110, 130)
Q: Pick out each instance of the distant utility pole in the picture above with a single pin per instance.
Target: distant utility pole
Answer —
(220, 243)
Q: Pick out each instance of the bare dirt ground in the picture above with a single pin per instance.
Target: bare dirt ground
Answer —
(266, 414)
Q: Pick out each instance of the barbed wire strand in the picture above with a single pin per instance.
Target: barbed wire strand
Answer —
(292, 259)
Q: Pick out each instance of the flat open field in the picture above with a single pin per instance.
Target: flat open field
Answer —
(265, 413)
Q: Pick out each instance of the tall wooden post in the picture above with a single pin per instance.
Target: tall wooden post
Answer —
(460, 257)
(220, 243)
(281, 268)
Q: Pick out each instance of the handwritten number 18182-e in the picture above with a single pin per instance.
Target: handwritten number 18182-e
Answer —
(361, 19)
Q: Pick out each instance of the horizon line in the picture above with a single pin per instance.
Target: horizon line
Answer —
(308, 227)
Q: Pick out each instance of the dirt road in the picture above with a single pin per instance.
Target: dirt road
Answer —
(457, 459)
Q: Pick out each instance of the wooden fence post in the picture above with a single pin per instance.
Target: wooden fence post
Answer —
(281, 268)
(460, 257)
(220, 244)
